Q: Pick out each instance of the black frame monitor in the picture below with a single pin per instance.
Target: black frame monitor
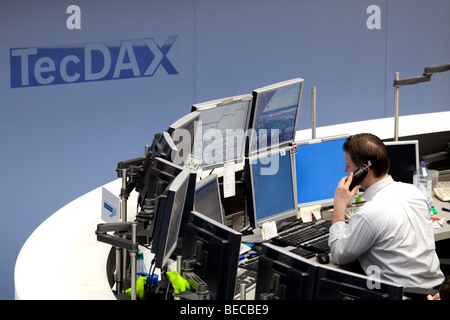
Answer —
(338, 284)
(404, 157)
(283, 275)
(319, 165)
(274, 115)
(215, 249)
(167, 220)
(270, 186)
(221, 136)
(207, 199)
(156, 174)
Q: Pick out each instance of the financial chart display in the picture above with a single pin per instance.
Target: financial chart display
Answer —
(220, 138)
(275, 110)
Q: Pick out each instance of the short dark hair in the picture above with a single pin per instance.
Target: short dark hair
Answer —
(365, 147)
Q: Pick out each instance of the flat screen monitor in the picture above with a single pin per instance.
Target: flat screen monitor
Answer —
(215, 249)
(283, 275)
(274, 115)
(404, 157)
(156, 174)
(319, 166)
(221, 136)
(182, 133)
(167, 220)
(338, 284)
(207, 198)
(270, 186)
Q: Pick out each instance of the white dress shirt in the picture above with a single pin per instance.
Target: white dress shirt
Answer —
(392, 232)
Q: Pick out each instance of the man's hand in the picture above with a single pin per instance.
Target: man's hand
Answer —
(342, 197)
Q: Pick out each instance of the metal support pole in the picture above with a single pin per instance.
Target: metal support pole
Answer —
(118, 277)
(121, 255)
(123, 197)
(123, 218)
(313, 111)
(133, 262)
(243, 292)
(179, 264)
(397, 89)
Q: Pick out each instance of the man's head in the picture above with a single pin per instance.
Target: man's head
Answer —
(364, 147)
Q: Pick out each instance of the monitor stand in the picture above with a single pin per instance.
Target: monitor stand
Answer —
(252, 235)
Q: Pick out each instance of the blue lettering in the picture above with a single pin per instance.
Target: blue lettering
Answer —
(90, 62)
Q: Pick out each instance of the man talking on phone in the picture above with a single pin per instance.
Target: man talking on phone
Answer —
(392, 230)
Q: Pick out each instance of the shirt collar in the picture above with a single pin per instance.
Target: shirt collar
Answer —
(377, 186)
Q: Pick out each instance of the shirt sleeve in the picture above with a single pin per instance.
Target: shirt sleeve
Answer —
(348, 242)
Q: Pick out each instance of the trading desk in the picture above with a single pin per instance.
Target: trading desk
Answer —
(62, 258)
(441, 232)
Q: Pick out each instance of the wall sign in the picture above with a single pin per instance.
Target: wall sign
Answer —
(124, 59)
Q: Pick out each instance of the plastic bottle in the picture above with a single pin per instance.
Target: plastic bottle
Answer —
(422, 180)
(141, 269)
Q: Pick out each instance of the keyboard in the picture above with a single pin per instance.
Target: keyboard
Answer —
(303, 233)
(442, 184)
(246, 274)
(443, 193)
(249, 264)
(319, 245)
(302, 252)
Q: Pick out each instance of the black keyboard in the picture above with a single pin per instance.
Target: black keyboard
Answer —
(249, 264)
(302, 252)
(303, 233)
(319, 245)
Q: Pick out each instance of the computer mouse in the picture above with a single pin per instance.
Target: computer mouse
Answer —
(323, 258)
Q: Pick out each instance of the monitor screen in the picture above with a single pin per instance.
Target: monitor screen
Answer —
(404, 157)
(207, 198)
(283, 275)
(270, 187)
(215, 249)
(319, 166)
(182, 132)
(221, 135)
(168, 214)
(274, 114)
(338, 284)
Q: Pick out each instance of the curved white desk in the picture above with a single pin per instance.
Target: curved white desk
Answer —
(62, 258)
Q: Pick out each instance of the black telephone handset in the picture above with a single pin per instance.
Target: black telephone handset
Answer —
(359, 175)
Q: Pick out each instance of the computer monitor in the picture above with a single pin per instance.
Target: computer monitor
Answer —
(182, 133)
(156, 174)
(404, 157)
(215, 249)
(167, 220)
(273, 119)
(283, 275)
(223, 127)
(319, 165)
(145, 180)
(207, 198)
(338, 284)
(270, 186)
